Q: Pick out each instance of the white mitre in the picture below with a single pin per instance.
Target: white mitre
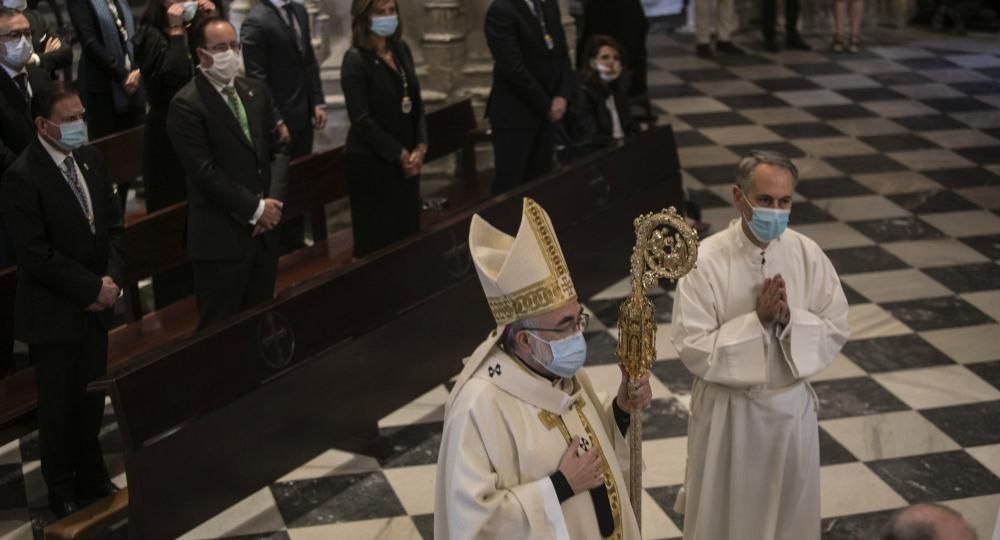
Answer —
(522, 276)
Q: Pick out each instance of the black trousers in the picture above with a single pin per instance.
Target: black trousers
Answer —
(225, 288)
(293, 231)
(70, 417)
(385, 205)
(521, 155)
(769, 18)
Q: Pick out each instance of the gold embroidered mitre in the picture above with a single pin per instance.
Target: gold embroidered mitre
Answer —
(522, 276)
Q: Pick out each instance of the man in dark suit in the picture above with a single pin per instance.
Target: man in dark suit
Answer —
(277, 50)
(18, 81)
(109, 79)
(532, 82)
(223, 129)
(63, 218)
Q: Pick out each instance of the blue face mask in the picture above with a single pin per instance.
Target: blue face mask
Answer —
(568, 354)
(768, 224)
(385, 26)
(72, 135)
(190, 10)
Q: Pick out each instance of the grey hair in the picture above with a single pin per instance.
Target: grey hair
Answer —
(744, 170)
(510, 335)
(919, 522)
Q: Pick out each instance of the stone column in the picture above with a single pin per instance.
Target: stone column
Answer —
(444, 45)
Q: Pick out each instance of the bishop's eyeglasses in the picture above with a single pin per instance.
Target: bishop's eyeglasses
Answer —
(579, 325)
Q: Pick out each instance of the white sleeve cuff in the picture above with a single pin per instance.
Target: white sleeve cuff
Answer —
(259, 212)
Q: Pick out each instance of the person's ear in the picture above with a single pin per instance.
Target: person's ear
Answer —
(41, 125)
(521, 338)
(204, 58)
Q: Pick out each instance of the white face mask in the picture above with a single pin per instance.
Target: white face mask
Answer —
(19, 5)
(225, 67)
(17, 53)
(608, 73)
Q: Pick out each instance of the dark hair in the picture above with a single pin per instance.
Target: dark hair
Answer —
(7, 13)
(361, 22)
(154, 14)
(594, 44)
(197, 35)
(47, 95)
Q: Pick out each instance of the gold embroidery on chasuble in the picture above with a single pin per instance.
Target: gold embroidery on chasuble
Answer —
(551, 420)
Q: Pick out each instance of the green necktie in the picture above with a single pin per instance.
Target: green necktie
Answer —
(236, 106)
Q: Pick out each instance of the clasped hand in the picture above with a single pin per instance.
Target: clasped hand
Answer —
(107, 296)
(557, 109)
(270, 217)
(772, 303)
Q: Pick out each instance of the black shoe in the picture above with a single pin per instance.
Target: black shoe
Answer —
(703, 50)
(796, 42)
(771, 46)
(63, 508)
(727, 47)
(97, 492)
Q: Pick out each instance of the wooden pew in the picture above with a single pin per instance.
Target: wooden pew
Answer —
(157, 242)
(212, 418)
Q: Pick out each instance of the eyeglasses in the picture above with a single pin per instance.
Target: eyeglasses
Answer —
(223, 47)
(578, 326)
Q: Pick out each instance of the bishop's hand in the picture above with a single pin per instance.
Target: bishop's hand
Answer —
(582, 470)
(640, 396)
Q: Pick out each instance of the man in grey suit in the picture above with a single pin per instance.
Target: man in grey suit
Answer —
(277, 50)
(224, 131)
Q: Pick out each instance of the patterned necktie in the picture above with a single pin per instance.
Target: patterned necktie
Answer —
(21, 80)
(74, 182)
(236, 106)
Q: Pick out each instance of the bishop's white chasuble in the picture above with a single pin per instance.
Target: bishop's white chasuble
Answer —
(505, 431)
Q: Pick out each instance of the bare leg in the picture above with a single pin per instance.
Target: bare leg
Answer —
(857, 10)
(839, 18)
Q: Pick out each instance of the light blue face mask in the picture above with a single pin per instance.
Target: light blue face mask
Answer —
(190, 10)
(385, 26)
(72, 135)
(568, 354)
(768, 224)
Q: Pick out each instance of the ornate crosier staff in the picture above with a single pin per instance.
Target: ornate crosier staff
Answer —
(665, 247)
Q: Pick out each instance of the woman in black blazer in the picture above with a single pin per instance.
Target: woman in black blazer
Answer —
(164, 58)
(387, 139)
(601, 111)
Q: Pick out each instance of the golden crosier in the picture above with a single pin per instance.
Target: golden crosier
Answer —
(665, 247)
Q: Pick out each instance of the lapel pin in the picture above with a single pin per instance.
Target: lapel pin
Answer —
(86, 167)
(250, 93)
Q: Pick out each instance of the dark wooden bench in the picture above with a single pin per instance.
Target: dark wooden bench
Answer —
(211, 418)
(157, 242)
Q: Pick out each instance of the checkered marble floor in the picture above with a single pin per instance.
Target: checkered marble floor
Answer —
(899, 149)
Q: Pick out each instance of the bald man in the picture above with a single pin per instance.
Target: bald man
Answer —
(928, 522)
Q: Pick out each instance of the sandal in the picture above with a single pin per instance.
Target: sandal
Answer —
(854, 47)
(838, 44)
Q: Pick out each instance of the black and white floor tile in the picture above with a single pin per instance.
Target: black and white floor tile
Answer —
(899, 152)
